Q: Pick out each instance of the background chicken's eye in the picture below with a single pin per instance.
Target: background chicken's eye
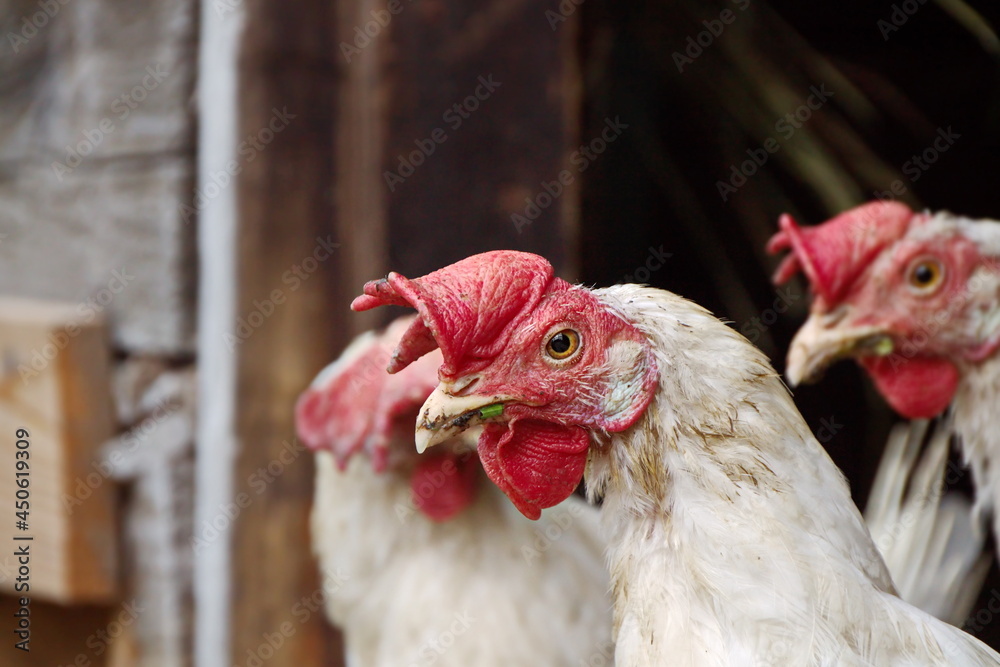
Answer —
(563, 344)
(926, 275)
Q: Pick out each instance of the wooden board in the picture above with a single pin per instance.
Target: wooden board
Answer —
(55, 386)
(77, 636)
(480, 102)
(285, 256)
(325, 173)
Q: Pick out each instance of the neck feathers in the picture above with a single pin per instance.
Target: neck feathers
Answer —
(974, 419)
(720, 471)
(720, 416)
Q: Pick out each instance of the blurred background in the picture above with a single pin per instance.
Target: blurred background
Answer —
(191, 193)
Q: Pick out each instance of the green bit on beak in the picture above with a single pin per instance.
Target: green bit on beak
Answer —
(490, 411)
(884, 346)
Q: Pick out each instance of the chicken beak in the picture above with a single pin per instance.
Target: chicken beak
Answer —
(827, 337)
(444, 415)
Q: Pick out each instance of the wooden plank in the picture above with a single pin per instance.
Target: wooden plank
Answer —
(109, 94)
(76, 636)
(56, 387)
(482, 103)
(458, 203)
(285, 226)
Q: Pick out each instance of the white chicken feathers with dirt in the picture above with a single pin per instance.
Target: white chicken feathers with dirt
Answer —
(733, 536)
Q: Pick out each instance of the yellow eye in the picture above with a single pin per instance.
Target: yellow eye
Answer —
(925, 275)
(563, 344)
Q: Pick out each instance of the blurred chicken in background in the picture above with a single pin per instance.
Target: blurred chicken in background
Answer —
(432, 564)
(914, 298)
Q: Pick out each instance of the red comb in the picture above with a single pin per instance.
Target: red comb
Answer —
(464, 307)
(353, 404)
(834, 254)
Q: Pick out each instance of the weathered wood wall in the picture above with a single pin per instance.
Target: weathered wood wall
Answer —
(97, 157)
(288, 260)
(360, 101)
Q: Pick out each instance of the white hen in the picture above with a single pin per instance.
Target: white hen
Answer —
(734, 537)
(428, 562)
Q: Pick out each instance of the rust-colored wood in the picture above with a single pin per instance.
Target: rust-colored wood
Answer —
(75, 636)
(285, 221)
(502, 143)
(326, 172)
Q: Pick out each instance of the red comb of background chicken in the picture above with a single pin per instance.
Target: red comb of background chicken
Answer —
(464, 306)
(352, 404)
(835, 253)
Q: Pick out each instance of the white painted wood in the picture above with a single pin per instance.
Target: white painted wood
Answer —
(221, 26)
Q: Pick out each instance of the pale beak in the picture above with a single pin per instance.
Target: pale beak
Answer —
(444, 415)
(825, 338)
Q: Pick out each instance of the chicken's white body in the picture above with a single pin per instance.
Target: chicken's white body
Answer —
(931, 539)
(974, 411)
(734, 539)
(488, 588)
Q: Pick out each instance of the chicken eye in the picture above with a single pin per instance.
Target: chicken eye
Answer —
(562, 344)
(925, 275)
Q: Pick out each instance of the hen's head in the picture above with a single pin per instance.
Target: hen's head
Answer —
(354, 407)
(539, 362)
(911, 296)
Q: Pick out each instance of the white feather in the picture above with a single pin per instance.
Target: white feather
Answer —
(488, 588)
(974, 411)
(932, 541)
(734, 537)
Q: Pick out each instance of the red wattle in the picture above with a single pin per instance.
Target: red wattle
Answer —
(536, 464)
(917, 388)
(442, 485)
